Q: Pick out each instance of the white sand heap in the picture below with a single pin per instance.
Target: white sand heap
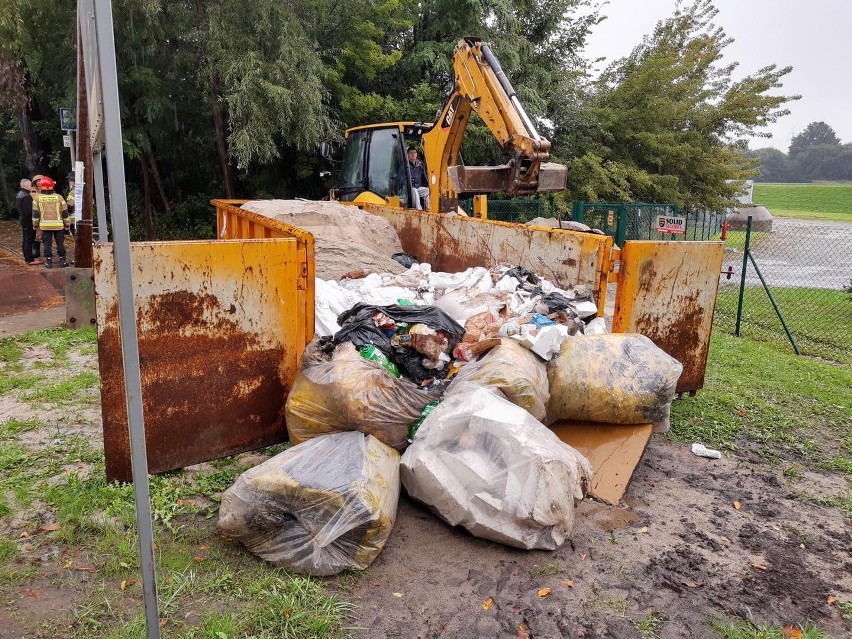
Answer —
(346, 237)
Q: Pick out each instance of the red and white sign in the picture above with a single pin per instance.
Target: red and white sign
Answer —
(668, 224)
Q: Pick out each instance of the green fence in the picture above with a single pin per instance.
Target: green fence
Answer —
(638, 221)
(631, 221)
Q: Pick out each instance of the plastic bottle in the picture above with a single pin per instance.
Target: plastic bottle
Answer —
(369, 351)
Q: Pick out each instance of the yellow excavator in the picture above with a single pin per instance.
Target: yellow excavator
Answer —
(374, 168)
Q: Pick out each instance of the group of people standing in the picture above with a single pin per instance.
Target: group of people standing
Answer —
(45, 218)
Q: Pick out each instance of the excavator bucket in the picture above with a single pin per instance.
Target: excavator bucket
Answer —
(468, 180)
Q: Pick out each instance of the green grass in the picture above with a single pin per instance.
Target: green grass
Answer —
(825, 201)
(819, 319)
(546, 570)
(746, 630)
(62, 392)
(650, 626)
(793, 409)
(59, 341)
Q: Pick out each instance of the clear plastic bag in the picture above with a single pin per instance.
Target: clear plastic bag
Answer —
(618, 378)
(318, 508)
(483, 463)
(350, 392)
(512, 369)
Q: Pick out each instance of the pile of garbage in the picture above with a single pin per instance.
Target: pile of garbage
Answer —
(444, 384)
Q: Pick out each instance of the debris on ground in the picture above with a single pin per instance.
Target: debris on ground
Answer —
(462, 371)
(702, 451)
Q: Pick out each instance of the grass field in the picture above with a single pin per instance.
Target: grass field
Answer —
(823, 201)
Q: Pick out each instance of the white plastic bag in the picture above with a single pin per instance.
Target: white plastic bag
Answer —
(483, 463)
(319, 507)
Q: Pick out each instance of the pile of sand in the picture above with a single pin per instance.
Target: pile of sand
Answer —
(346, 238)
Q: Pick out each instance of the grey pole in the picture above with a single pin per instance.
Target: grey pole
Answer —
(100, 198)
(127, 309)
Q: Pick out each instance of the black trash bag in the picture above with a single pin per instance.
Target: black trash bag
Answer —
(523, 275)
(358, 328)
(406, 259)
(555, 301)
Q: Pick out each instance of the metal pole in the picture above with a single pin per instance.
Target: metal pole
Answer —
(100, 198)
(743, 276)
(127, 309)
(71, 148)
(774, 305)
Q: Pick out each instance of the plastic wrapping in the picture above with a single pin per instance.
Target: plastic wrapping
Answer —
(348, 393)
(483, 463)
(512, 369)
(358, 327)
(318, 508)
(619, 378)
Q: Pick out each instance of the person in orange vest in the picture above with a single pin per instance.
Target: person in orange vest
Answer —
(50, 215)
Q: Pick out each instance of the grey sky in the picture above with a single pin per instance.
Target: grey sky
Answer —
(813, 37)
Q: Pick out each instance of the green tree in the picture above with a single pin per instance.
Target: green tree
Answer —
(774, 166)
(815, 134)
(666, 123)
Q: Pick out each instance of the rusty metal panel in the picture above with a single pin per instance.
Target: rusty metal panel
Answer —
(454, 243)
(667, 291)
(79, 297)
(221, 329)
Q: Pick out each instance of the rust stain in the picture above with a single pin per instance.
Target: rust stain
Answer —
(570, 262)
(682, 338)
(209, 388)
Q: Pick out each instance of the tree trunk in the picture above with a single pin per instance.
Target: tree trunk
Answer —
(155, 172)
(7, 196)
(33, 153)
(147, 214)
(219, 128)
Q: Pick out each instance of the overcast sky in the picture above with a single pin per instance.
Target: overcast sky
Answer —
(814, 37)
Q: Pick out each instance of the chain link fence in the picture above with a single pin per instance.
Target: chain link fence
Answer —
(794, 290)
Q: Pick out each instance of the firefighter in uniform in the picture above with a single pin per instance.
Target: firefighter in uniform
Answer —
(70, 200)
(50, 215)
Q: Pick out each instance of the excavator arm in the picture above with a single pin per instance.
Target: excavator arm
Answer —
(482, 86)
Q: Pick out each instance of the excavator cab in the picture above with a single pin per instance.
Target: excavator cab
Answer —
(374, 165)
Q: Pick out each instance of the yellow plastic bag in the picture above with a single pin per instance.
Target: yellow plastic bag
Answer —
(620, 378)
(318, 508)
(352, 393)
(516, 371)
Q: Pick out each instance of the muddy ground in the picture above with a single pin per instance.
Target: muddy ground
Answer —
(678, 547)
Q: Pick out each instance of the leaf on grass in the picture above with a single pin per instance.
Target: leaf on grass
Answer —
(198, 558)
(24, 535)
(792, 632)
(567, 583)
(759, 567)
(692, 584)
(125, 583)
(204, 547)
(225, 537)
(544, 592)
(737, 505)
(831, 599)
(164, 623)
(49, 527)
(32, 593)
(397, 594)
(68, 565)
(741, 412)
(523, 633)
(86, 568)
(487, 603)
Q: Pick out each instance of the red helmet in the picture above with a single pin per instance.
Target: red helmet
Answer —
(46, 183)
